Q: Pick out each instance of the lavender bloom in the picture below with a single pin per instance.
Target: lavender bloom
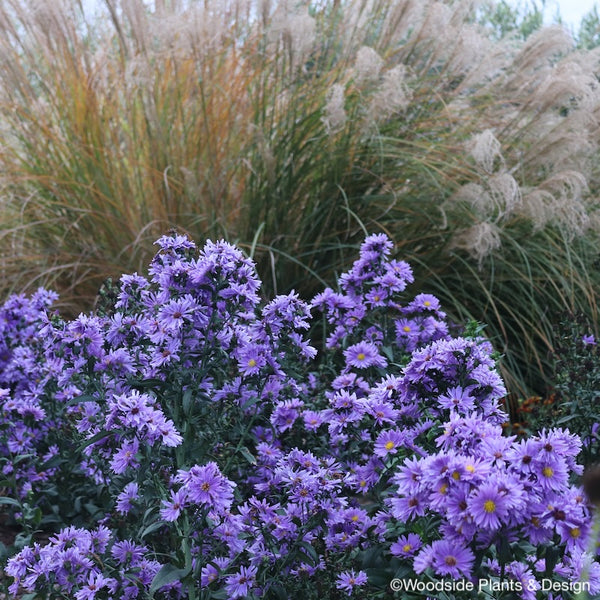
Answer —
(240, 584)
(446, 558)
(95, 582)
(406, 545)
(126, 498)
(488, 506)
(364, 355)
(172, 509)
(349, 580)
(206, 485)
(125, 457)
(388, 442)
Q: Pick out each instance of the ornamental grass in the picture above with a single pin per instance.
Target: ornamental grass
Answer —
(292, 129)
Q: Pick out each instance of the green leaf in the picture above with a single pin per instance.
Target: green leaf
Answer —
(371, 557)
(79, 399)
(146, 383)
(278, 591)
(311, 553)
(10, 501)
(151, 528)
(52, 462)
(186, 402)
(379, 577)
(167, 574)
(504, 552)
(248, 455)
(98, 436)
(565, 419)
(91, 508)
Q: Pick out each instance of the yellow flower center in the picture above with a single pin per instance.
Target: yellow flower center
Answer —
(489, 506)
(361, 356)
(406, 328)
(443, 489)
(575, 532)
(407, 548)
(427, 303)
(251, 363)
(363, 483)
(355, 518)
(470, 468)
(456, 475)
(376, 298)
(547, 471)
(389, 445)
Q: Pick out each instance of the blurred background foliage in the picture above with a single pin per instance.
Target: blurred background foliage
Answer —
(465, 131)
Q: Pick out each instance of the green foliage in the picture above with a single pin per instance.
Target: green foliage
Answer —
(505, 19)
(577, 381)
(588, 35)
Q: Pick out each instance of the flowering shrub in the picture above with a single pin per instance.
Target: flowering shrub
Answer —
(211, 450)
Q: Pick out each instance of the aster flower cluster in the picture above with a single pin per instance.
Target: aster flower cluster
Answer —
(28, 424)
(214, 452)
(369, 291)
(76, 562)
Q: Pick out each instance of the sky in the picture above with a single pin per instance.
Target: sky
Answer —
(571, 11)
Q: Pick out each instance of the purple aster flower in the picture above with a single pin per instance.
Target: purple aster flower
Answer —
(406, 545)
(552, 473)
(349, 580)
(448, 558)
(172, 509)
(240, 584)
(488, 506)
(285, 414)
(95, 582)
(125, 457)
(389, 441)
(377, 296)
(522, 454)
(206, 485)
(457, 398)
(423, 302)
(312, 419)
(128, 552)
(382, 412)
(364, 355)
(589, 340)
(409, 507)
(251, 359)
(167, 352)
(165, 429)
(208, 574)
(378, 243)
(125, 499)
(176, 312)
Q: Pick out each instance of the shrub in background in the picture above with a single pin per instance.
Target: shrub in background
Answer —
(290, 129)
(576, 382)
